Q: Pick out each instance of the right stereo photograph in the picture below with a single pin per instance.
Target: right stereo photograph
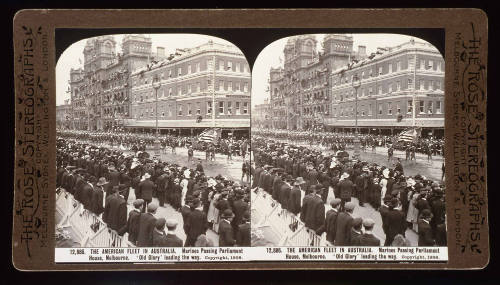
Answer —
(347, 138)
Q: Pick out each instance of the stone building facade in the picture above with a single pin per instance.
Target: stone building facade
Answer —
(188, 85)
(390, 81)
(300, 90)
(100, 91)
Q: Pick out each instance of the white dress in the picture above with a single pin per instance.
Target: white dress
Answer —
(383, 184)
(184, 185)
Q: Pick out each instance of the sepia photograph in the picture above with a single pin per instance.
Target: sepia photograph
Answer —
(152, 142)
(347, 137)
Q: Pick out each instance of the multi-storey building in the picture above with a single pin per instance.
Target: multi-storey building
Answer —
(261, 115)
(100, 92)
(200, 87)
(300, 91)
(391, 82)
(63, 115)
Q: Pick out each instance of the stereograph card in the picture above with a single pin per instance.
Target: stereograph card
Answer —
(250, 139)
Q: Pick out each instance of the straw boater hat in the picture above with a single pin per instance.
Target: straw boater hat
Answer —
(146, 176)
(345, 175)
(101, 181)
(299, 181)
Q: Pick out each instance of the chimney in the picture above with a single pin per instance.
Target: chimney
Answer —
(160, 51)
(362, 50)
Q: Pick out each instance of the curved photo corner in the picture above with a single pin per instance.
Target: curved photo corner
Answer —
(348, 128)
(139, 118)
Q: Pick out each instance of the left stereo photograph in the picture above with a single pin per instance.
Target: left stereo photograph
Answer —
(152, 143)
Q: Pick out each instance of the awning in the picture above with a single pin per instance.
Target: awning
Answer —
(389, 123)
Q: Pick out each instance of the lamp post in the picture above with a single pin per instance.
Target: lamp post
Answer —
(156, 84)
(356, 83)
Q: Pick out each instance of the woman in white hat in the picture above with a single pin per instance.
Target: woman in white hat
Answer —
(383, 184)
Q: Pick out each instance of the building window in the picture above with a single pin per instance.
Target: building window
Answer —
(229, 65)
(236, 86)
(398, 65)
(179, 91)
(398, 109)
(370, 91)
(197, 67)
(410, 107)
(189, 69)
(390, 67)
(180, 110)
(421, 105)
(237, 108)
(170, 92)
(221, 65)
(198, 108)
(438, 107)
(380, 90)
(170, 73)
(410, 83)
(431, 64)
(245, 107)
(398, 85)
(422, 84)
(380, 109)
(225, 86)
(230, 85)
(198, 86)
(390, 87)
(422, 64)
(242, 67)
(362, 74)
(209, 107)
(438, 85)
(179, 71)
(189, 88)
(245, 87)
(229, 108)
(221, 107)
(380, 70)
(189, 111)
(429, 107)
(389, 108)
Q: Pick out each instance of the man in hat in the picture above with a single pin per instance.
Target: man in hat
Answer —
(161, 189)
(97, 206)
(243, 233)
(394, 221)
(437, 207)
(132, 226)
(276, 186)
(399, 167)
(195, 222)
(314, 209)
(113, 176)
(147, 222)
(284, 193)
(226, 236)
(344, 224)
(356, 231)
(146, 188)
(117, 215)
(345, 187)
(425, 235)
(367, 238)
(239, 207)
(171, 239)
(106, 215)
(190, 154)
(296, 196)
(159, 236)
(199, 166)
(186, 210)
(330, 225)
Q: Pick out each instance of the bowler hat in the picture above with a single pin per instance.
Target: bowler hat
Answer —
(171, 223)
(368, 222)
(227, 213)
(335, 202)
(152, 207)
(350, 206)
(160, 223)
(138, 202)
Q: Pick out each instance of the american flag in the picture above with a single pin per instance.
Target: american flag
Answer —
(408, 135)
(209, 135)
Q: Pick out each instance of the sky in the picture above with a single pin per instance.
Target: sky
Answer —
(270, 57)
(70, 57)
